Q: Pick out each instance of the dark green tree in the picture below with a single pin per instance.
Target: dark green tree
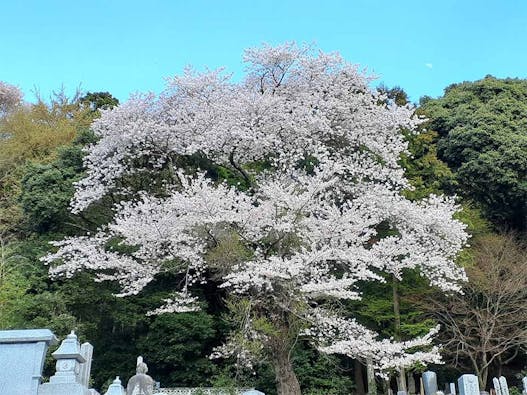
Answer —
(99, 100)
(482, 128)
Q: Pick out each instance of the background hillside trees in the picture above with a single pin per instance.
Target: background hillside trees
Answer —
(485, 326)
(482, 129)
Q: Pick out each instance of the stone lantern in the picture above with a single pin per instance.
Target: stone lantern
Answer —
(66, 380)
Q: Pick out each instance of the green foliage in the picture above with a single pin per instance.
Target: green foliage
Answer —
(483, 137)
(177, 345)
(46, 189)
(99, 101)
(32, 134)
(321, 374)
(425, 171)
(377, 312)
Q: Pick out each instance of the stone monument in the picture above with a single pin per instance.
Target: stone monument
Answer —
(497, 386)
(70, 376)
(22, 355)
(85, 371)
(504, 386)
(468, 385)
(524, 381)
(140, 383)
(430, 382)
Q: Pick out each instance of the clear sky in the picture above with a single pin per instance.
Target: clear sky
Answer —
(123, 46)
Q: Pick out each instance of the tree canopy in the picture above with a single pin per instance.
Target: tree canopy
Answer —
(317, 155)
(482, 130)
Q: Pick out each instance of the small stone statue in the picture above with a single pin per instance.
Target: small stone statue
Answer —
(141, 383)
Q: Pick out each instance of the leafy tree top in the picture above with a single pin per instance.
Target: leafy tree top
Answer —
(483, 136)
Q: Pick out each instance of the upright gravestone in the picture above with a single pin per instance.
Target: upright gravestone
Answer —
(468, 385)
(430, 382)
(497, 386)
(253, 392)
(524, 381)
(22, 355)
(85, 371)
(452, 389)
(504, 386)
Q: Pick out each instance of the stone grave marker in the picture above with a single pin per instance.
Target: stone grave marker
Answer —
(504, 386)
(430, 382)
(468, 385)
(22, 355)
(497, 386)
(524, 381)
(85, 371)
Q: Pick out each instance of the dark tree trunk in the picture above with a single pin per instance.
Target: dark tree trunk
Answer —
(286, 380)
(358, 373)
(401, 380)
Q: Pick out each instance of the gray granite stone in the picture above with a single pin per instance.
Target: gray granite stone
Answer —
(524, 381)
(430, 382)
(504, 386)
(87, 354)
(497, 386)
(452, 388)
(468, 385)
(66, 380)
(22, 355)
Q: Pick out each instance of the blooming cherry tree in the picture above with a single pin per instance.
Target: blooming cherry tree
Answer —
(316, 155)
(10, 97)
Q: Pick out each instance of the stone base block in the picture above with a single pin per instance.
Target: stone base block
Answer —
(63, 389)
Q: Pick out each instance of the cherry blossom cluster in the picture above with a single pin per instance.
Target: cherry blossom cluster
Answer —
(335, 334)
(10, 97)
(306, 222)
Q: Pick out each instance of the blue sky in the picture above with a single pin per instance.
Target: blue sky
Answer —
(126, 46)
